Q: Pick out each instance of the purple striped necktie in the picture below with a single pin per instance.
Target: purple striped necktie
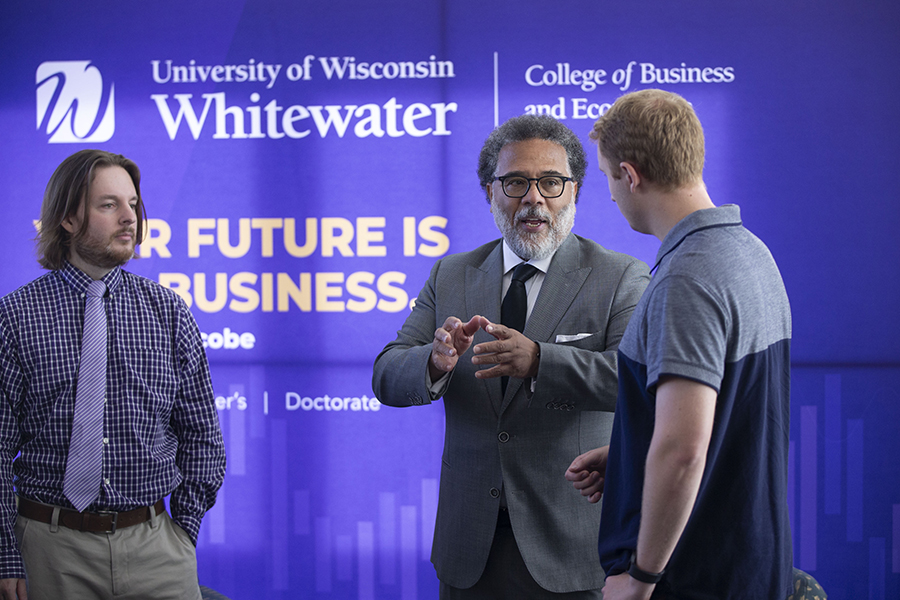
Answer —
(84, 467)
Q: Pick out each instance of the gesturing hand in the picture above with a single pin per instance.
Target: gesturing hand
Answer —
(451, 340)
(513, 354)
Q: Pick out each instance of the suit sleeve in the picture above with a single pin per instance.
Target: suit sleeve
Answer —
(399, 375)
(583, 374)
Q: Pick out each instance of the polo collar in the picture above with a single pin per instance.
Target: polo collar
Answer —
(727, 215)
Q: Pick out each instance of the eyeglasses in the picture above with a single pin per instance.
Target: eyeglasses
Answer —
(549, 186)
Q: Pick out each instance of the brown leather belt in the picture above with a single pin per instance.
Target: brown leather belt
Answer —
(105, 522)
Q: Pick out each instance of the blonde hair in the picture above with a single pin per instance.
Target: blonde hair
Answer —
(658, 133)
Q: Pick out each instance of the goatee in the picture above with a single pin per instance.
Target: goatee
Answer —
(534, 246)
(106, 256)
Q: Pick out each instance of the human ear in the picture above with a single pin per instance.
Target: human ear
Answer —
(68, 224)
(631, 175)
(73, 220)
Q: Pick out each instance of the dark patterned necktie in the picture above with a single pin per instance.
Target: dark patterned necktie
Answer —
(515, 304)
(84, 466)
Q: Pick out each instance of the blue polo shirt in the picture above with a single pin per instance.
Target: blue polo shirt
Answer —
(715, 312)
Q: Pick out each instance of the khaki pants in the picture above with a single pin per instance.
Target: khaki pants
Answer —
(153, 560)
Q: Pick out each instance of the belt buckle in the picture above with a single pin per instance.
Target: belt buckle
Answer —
(115, 519)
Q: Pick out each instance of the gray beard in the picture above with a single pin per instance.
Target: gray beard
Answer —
(534, 246)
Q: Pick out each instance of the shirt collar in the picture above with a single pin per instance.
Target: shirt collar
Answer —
(727, 215)
(79, 280)
(511, 260)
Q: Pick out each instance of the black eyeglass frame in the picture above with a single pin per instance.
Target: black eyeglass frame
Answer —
(502, 179)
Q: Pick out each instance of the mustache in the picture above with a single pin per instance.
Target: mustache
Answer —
(533, 212)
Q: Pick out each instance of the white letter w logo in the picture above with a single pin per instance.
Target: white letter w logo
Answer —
(69, 101)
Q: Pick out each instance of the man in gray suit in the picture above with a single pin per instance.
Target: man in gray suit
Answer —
(518, 405)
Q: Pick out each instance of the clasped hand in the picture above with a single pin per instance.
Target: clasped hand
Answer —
(512, 354)
(588, 473)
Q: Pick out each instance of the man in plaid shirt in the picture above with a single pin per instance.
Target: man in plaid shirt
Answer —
(160, 433)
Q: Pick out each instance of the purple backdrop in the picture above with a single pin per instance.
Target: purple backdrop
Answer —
(305, 163)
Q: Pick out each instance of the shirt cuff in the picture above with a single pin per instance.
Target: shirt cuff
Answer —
(191, 526)
(11, 565)
(437, 388)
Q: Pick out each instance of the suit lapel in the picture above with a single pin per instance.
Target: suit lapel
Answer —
(483, 285)
(561, 286)
(482, 288)
(564, 280)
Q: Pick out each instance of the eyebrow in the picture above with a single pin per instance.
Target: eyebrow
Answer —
(543, 173)
(114, 197)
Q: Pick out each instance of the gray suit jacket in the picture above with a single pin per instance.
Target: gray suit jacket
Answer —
(521, 442)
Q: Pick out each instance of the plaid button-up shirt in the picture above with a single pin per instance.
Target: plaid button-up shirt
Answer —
(160, 417)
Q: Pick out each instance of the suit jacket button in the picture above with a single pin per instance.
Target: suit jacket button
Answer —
(503, 437)
(495, 493)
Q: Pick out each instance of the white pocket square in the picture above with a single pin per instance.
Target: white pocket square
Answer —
(571, 338)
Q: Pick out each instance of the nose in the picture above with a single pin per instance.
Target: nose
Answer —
(533, 195)
(128, 214)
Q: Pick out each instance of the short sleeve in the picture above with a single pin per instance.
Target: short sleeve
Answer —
(686, 333)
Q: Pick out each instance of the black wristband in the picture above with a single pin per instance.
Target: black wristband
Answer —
(643, 576)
